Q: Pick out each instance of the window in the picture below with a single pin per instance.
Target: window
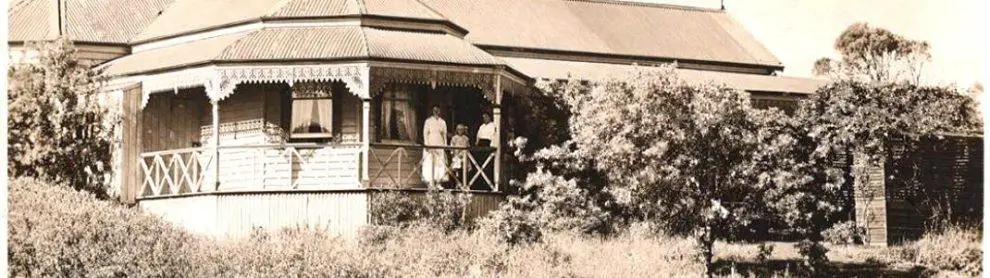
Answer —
(398, 120)
(312, 110)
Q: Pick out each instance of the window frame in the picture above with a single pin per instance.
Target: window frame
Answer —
(331, 97)
(390, 96)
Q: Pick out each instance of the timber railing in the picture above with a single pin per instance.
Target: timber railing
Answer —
(251, 168)
(407, 165)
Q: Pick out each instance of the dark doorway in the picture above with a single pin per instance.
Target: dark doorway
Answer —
(466, 107)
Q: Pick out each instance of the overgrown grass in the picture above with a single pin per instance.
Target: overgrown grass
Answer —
(953, 252)
(56, 231)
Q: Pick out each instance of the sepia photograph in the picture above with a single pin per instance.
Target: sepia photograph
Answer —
(494, 138)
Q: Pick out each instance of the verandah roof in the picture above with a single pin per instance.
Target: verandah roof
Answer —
(341, 43)
(557, 69)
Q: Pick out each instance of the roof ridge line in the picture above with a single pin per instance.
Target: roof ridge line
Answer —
(17, 5)
(362, 7)
(435, 11)
(651, 5)
(235, 42)
(277, 7)
(364, 36)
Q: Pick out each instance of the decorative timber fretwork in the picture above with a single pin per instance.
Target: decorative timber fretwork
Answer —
(384, 76)
(220, 81)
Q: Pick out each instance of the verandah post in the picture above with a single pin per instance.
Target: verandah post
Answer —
(497, 117)
(365, 139)
(215, 133)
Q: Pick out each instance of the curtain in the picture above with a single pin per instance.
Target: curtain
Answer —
(399, 116)
(311, 115)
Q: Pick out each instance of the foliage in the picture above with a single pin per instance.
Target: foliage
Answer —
(765, 251)
(56, 231)
(445, 209)
(814, 254)
(875, 54)
(696, 158)
(953, 249)
(846, 232)
(540, 115)
(550, 204)
(59, 232)
(425, 251)
(847, 115)
(58, 130)
(875, 120)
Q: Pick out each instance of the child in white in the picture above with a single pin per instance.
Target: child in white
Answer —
(460, 140)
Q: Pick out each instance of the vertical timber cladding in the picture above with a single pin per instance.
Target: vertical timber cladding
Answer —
(898, 201)
(130, 143)
(869, 195)
(941, 182)
(172, 121)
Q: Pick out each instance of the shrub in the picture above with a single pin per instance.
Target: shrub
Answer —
(56, 231)
(553, 204)
(446, 209)
(844, 233)
(58, 129)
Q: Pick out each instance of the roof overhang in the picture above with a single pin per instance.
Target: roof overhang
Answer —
(556, 69)
(220, 80)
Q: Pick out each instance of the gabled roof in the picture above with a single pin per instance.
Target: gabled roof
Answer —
(341, 43)
(185, 16)
(96, 21)
(599, 27)
(607, 27)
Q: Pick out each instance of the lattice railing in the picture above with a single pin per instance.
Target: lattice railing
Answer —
(251, 168)
(404, 166)
(176, 171)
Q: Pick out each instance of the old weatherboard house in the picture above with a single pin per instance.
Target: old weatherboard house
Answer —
(278, 113)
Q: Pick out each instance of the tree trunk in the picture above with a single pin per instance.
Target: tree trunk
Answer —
(705, 246)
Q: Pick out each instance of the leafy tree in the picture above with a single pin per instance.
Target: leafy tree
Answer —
(58, 130)
(874, 54)
(873, 120)
(695, 158)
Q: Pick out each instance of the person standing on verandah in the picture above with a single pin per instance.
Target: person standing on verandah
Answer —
(458, 160)
(434, 157)
(484, 138)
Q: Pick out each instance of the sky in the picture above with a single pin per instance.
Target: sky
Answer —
(799, 32)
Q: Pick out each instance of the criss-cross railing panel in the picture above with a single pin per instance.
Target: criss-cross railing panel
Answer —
(175, 171)
(251, 168)
(404, 166)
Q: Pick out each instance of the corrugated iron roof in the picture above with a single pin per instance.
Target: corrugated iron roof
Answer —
(307, 44)
(100, 21)
(190, 15)
(607, 27)
(557, 69)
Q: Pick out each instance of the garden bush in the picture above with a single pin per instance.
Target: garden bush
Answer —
(844, 233)
(552, 204)
(57, 231)
(446, 209)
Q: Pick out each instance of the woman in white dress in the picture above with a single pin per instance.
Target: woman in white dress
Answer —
(434, 159)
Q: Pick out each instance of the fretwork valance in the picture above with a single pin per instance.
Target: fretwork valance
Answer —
(384, 76)
(220, 81)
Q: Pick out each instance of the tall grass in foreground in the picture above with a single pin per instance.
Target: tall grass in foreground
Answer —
(56, 231)
(424, 251)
